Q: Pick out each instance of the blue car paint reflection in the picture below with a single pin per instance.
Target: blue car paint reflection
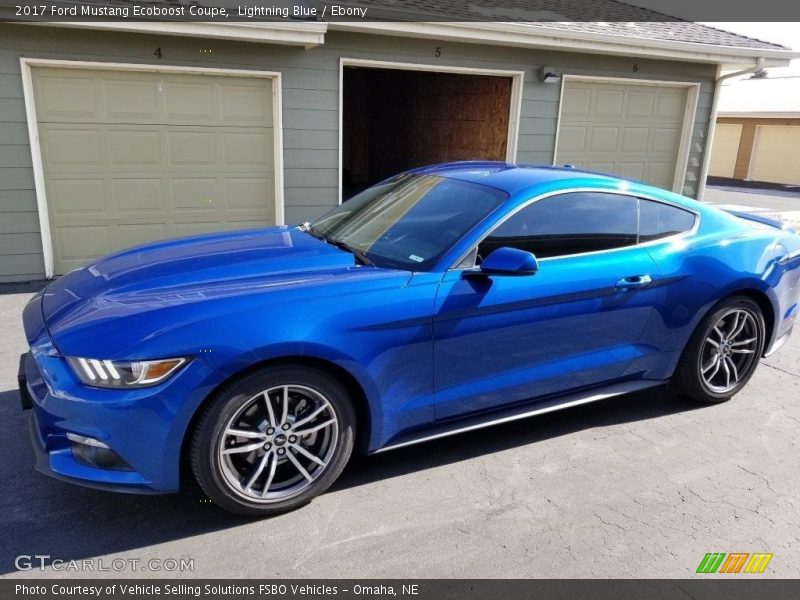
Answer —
(421, 346)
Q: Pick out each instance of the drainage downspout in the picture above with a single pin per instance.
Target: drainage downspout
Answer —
(712, 123)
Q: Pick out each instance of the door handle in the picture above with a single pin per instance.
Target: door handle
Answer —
(635, 281)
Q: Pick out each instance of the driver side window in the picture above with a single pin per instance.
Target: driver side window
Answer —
(565, 224)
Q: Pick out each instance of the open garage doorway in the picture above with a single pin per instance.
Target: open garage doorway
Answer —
(394, 119)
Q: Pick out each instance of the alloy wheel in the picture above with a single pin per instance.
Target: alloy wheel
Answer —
(728, 354)
(278, 443)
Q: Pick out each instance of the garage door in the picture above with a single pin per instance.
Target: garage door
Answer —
(725, 149)
(776, 154)
(134, 156)
(626, 129)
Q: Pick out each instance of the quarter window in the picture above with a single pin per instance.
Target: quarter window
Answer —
(658, 220)
(571, 223)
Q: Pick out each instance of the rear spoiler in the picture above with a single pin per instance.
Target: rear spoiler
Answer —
(764, 220)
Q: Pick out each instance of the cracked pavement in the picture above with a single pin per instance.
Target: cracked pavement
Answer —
(637, 486)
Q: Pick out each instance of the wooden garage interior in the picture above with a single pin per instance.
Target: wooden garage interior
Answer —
(394, 120)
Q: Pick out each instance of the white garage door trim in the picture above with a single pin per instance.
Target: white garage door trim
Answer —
(515, 109)
(36, 152)
(693, 92)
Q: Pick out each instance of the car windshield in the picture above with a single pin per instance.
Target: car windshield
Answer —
(408, 222)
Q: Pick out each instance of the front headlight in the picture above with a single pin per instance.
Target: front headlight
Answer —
(123, 374)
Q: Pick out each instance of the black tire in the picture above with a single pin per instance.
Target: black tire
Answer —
(214, 472)
(699, 352)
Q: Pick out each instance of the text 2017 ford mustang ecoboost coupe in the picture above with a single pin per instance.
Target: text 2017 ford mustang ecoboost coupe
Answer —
(439, 301)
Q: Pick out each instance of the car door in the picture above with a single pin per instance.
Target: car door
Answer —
(575, 323)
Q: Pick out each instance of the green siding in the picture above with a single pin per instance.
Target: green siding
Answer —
(15, 155)
(17, 201)
(310, 139)
(15, 178)
(310, 106)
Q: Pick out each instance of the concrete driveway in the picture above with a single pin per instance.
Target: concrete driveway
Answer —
(638, 486)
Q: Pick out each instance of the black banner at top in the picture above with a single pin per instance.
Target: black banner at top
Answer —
(604, 14)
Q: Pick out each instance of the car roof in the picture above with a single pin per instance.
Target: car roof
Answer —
(529, 178)
(508, 177)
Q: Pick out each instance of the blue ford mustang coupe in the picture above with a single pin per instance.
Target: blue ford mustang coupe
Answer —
(442, 300)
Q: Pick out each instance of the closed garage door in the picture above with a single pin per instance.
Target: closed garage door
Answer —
(776, 154)
(134, 156)
(725, 149)
(629, 130)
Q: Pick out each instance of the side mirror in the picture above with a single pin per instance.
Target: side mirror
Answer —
(508, 261)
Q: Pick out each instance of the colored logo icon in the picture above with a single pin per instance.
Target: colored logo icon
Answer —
(734, 562)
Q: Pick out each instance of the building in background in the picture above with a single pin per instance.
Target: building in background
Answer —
(757, 137)
(118, 133)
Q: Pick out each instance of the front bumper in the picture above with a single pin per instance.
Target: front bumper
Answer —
(144, 427)
(24, 395)
(60, 463)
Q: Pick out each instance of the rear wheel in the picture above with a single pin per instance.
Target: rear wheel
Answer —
(273, 440)
(723, 352)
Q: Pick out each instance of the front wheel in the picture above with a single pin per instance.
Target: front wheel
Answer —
(273, 440)
(723, 352)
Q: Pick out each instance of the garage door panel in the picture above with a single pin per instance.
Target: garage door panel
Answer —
(635, 139)
(131, 100)
(725, 149)
(196, 194)
(134, 234)
(134, 148)
(247, 193)
(640, 104)
(193, 148)
(632, 130)
(604, 139)
(247, 149)
(82, 242)
(68, 147)
(671, 105)
(77, 196)
(82, 95)
(577, 103)
(572, 139)
(632, 170)
(776, 154)
(190, 101)
(58, 97)
(232, 225)
(130, 157)
(138, 196)
(608, 103)
(659, 171)
(196, 228)
(599, 166)
(666, 140)
(245, 104)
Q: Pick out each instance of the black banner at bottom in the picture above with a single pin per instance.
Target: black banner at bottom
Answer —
(406, 589)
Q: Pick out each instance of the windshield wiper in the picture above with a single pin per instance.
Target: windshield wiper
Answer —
(360, 256)
(313, 231)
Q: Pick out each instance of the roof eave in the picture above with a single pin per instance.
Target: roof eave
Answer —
(307, 34)
(535, 36)
(759, 114)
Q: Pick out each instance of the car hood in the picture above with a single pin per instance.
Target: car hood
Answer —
(185, 269)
